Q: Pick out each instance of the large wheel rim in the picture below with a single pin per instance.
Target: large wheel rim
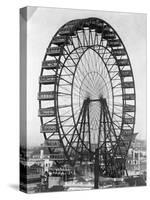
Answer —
(91, 39)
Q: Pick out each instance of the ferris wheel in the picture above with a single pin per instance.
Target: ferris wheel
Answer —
(87, 95)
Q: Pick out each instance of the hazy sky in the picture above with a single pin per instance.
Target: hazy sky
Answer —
(41, 26)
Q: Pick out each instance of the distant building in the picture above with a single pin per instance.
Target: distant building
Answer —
(136, 162)
(30, 178)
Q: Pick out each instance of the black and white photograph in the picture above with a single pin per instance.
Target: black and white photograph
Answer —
(82, 99)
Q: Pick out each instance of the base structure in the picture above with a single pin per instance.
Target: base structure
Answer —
(107, 154)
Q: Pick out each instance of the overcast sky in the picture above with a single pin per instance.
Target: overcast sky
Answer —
(42, 24)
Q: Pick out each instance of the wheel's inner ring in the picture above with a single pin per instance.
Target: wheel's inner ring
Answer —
(91, 81)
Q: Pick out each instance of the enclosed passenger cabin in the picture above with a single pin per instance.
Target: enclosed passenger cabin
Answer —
(47, 79)
(118, 52)
(54, 51)
(99, 27)
(128, 120)
(109, 35)
(128, 84)
(60, 40)
(68, 30)
(125, 73)
(47, 112)
(129, 96)
(50, 64)
(53, 143)
(129, 108)
(49, 128)
(46, 95)
(123, 62)
(114, 43)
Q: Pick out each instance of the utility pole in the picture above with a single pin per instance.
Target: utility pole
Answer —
(96, 169)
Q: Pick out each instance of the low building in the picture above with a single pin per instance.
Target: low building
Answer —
(136, 162)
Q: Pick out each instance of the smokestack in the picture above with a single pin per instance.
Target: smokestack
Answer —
(41, 154)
